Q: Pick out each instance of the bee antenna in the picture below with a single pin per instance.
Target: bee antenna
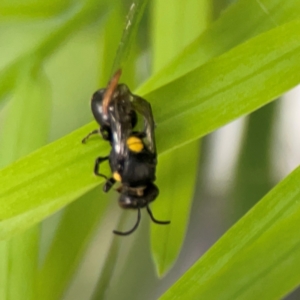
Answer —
(153, 219)
(133, 228)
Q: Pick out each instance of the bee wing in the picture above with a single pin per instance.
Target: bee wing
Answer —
(120, 126)
(143, 107)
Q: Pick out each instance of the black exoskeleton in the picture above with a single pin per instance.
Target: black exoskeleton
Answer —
(133, 157)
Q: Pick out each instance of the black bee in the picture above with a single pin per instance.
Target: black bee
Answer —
(133, 157)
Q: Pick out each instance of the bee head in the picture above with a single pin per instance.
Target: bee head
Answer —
(137, 197)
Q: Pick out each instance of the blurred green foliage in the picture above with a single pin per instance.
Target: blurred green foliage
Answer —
(201, 64)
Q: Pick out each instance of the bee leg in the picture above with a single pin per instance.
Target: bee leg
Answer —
(108, 184)
(87, 137)
(98, 161)
(109, 181)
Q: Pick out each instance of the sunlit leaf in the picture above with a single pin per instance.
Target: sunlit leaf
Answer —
(230, 30)
(176, 171)
(252, 260)
(29, 106)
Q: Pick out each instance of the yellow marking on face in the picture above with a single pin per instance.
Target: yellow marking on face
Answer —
(117, 176)
(135, 144)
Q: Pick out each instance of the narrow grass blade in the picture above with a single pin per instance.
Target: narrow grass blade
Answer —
(74, 20)
(173, 30)
(28, 107)
(108, 43)
(73, 235)
(176, 171)
(253, 174)
(18, 266)
(19, 135)
(22, 265)
(226, 33)
(257, 258)
(110, 266)
(129, 33)
(176, 178)
(232, 85)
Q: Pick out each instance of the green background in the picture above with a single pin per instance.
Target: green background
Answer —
(201, 65)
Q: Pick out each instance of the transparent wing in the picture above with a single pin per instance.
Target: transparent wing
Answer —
(143, 107)
(119, 113)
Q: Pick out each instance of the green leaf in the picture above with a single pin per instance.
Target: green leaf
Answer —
(29, 106)
(111, 262)
(227, 32)
(232, 85)
(32, 8)
(177, 189)
(129, 33)
(75, 230)
(176, 175)
(18, 266)
(61, 173)
(109, 43)
(173, 30)
(253, 174)
(66, 25)
(20, 135)
(255, 255)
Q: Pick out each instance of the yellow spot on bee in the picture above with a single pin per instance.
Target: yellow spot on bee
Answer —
(135, 144)
(117, 176)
